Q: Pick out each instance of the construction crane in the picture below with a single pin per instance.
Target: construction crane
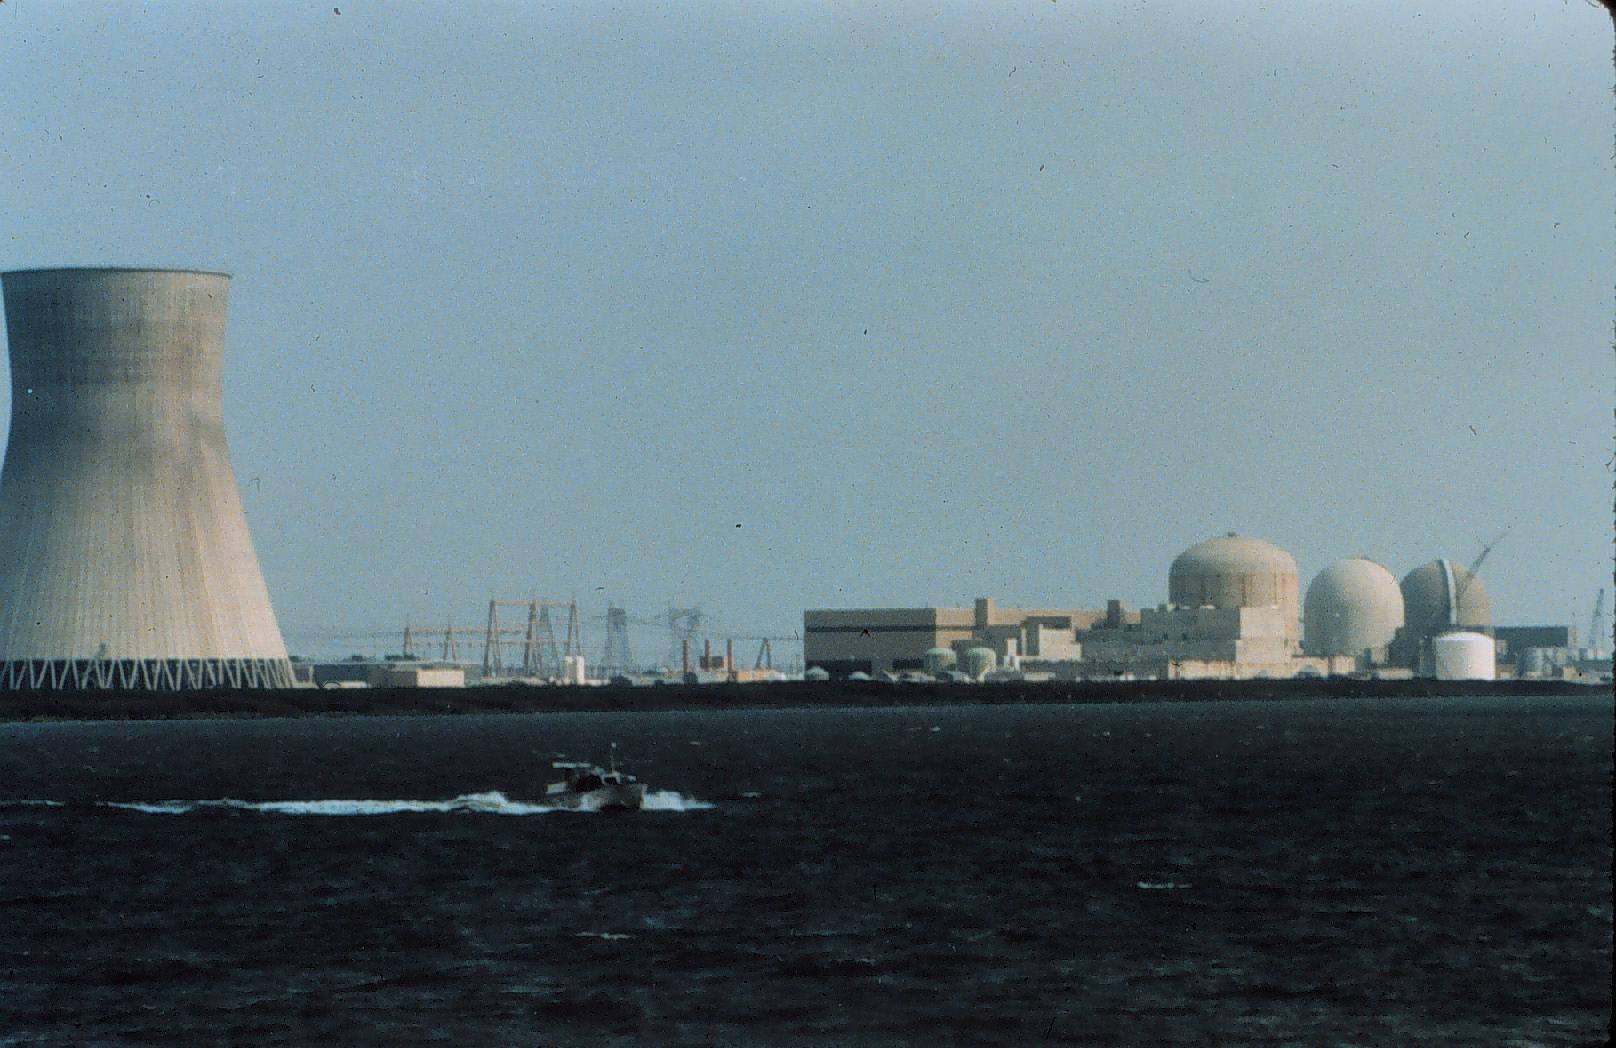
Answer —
(1458, 586)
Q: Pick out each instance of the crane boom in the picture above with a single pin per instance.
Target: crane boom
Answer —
(1460, 585)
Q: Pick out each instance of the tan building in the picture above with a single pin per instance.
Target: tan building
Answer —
(890, 640)
(1233, 613)
(1172, 643)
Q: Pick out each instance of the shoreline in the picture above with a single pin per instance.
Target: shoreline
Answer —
(524, 699)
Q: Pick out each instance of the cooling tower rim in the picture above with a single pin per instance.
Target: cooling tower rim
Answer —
(46, 270)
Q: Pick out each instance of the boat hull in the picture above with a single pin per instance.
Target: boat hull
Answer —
(624, 797)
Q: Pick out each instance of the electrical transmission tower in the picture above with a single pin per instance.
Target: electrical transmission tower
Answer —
(766, 654)
(684, 625)
(541, 655)
(450, 636)
(616, 659)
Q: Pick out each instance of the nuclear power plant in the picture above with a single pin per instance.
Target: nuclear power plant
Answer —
(126, 563)
(1232, 614)
(125, 560)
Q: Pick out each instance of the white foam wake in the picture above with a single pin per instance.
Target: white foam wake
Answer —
(491, 803)
(672, 800)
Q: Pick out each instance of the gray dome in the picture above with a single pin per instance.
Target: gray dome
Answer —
(1233, 571)
(1427, 600)
(1352, 605)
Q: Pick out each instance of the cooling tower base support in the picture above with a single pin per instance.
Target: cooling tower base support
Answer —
(143, 674)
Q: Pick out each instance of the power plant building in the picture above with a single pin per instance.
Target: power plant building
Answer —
(125, 560)
(1353, 608)
(1438, 597)
(1233, 613)
(890, 640)
(1234, 571)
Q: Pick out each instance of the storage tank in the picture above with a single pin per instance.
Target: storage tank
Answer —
(125, 560)
(1463, 656)
(938, 660)
(1235, 571)
(979, 661)
(1352, 606)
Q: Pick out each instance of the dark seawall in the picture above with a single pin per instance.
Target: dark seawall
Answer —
(516, 698)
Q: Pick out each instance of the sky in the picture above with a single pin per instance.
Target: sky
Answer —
(766, 306)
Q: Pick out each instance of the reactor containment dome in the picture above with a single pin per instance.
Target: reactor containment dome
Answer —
(125, 560)
(1441, 595)
(1234, 571)
(1352, 607)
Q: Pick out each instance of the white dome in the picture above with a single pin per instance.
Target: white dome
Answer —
(1351, 606)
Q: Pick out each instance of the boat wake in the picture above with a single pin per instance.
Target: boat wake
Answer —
(490, 803)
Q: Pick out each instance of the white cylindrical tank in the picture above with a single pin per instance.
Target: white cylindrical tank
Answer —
(1464, 656)
(573, 670)
(1352, 606)
(938, 661)
(125, 560)
(978, 661)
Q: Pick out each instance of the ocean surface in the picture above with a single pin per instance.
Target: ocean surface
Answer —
(1370, 872)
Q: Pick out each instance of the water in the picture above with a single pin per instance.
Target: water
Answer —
(1369, 872)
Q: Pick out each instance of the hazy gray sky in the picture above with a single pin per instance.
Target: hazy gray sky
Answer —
(764, 306)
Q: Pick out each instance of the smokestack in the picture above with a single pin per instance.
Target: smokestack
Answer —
(125, 560)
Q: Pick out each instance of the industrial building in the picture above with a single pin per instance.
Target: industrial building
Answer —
(1233, 612)
(392, 672)
(1438, 597)
(125, 560)
(1353, 608)
(890, 640)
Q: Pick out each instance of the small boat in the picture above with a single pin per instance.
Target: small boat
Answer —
(593, 788)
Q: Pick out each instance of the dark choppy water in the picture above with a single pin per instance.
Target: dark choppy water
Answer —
(1365, 873)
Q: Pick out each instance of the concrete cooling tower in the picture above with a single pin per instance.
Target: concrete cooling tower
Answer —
(125, 560)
